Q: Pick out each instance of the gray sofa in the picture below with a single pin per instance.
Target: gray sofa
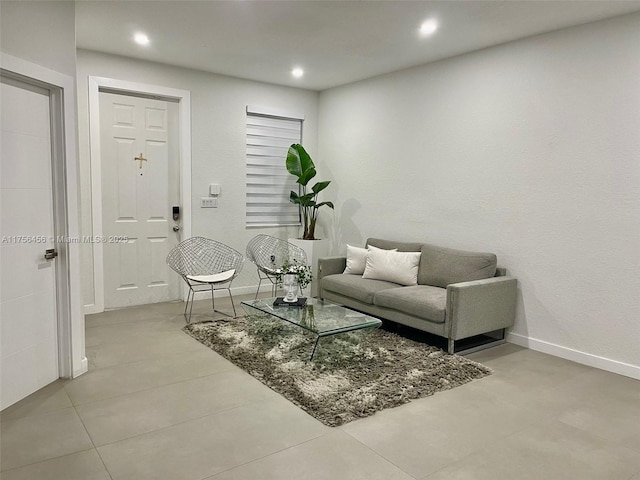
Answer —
(459, 294)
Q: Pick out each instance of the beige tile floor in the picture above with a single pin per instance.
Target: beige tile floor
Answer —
(158, 405)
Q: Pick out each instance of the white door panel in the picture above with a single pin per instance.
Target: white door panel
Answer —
(137, 198)
(21, 113)
(22, 174)
(28, 312)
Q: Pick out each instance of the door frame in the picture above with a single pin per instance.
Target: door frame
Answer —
(70, 317)
(125, 87)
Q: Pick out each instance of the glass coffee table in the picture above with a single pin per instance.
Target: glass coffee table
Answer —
(319, 317)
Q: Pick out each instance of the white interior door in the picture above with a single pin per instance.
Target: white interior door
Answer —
(28, 313)
(140, 185)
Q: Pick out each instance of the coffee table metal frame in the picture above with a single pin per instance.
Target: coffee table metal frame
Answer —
(328, 318)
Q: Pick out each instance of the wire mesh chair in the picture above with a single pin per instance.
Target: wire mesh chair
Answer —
(205, 264)
(270, 253)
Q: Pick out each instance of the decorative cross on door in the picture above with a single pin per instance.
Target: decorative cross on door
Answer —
(140, 159)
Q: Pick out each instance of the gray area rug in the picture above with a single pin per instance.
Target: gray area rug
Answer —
(352, 375)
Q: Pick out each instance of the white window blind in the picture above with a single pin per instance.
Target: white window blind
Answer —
(268, 183)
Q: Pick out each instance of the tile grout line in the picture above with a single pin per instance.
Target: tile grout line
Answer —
(158, 314)
(265, 456)
(596, 435)
(74, 405)
(144, 359)
(47, 460)
(150, 388)
(92, 443)
(181, 422)
(93, 368)
(378, 454)
(104, 464)
(489, 445)
(124, 320)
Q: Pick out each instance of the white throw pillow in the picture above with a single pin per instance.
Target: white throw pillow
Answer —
(392, 266)
(356, 260)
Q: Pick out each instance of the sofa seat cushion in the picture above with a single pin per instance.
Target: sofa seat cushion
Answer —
(440, 266)
(356, 287)
(422, 301)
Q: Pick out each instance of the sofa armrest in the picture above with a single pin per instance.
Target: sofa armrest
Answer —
(480, 306)
(329, 266)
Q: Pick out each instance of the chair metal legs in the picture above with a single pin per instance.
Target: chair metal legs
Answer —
(259, 283)
(191, 295)
(274, 283)
(213, 300)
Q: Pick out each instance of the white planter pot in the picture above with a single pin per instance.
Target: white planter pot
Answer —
(314, 249)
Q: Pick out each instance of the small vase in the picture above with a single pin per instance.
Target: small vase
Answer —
(290, 287)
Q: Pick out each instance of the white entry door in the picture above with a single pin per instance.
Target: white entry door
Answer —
(28, 313)
(140, 185)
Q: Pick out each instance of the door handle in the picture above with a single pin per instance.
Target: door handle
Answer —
(176, 228)
(50, 253)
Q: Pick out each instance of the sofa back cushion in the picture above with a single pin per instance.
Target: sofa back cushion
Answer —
(390, 245)
(440, 266)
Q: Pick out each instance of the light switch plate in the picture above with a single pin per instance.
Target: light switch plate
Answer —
(208, 202)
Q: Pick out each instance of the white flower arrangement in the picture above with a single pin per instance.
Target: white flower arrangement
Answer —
(300, 270)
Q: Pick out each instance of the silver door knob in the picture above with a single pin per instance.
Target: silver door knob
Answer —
(176, 228)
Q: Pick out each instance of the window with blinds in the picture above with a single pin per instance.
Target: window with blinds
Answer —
(268, 183)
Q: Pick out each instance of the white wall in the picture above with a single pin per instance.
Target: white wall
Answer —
(529, 150)
(218, 120)
(41, 32)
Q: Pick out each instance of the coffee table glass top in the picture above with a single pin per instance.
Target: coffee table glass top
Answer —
(318, 316)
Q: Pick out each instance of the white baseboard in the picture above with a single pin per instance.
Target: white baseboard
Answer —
(250, 290)
(577, 356)
(84, 368)
(91, 309)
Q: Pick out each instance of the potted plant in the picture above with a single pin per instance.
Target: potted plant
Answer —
(293, 275)
(300, 165)
(297, 268)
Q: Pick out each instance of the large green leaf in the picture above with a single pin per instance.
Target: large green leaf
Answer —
(294, 197)
(306, 176)
(304, 200)
(328, 204)
(299, 164)
(318, 187)
(307, 200)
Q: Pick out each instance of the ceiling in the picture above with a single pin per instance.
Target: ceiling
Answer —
(335, 42)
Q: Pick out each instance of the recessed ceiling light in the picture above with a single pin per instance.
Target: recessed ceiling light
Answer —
(428, 27)
(297, 72)
(141, 39)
